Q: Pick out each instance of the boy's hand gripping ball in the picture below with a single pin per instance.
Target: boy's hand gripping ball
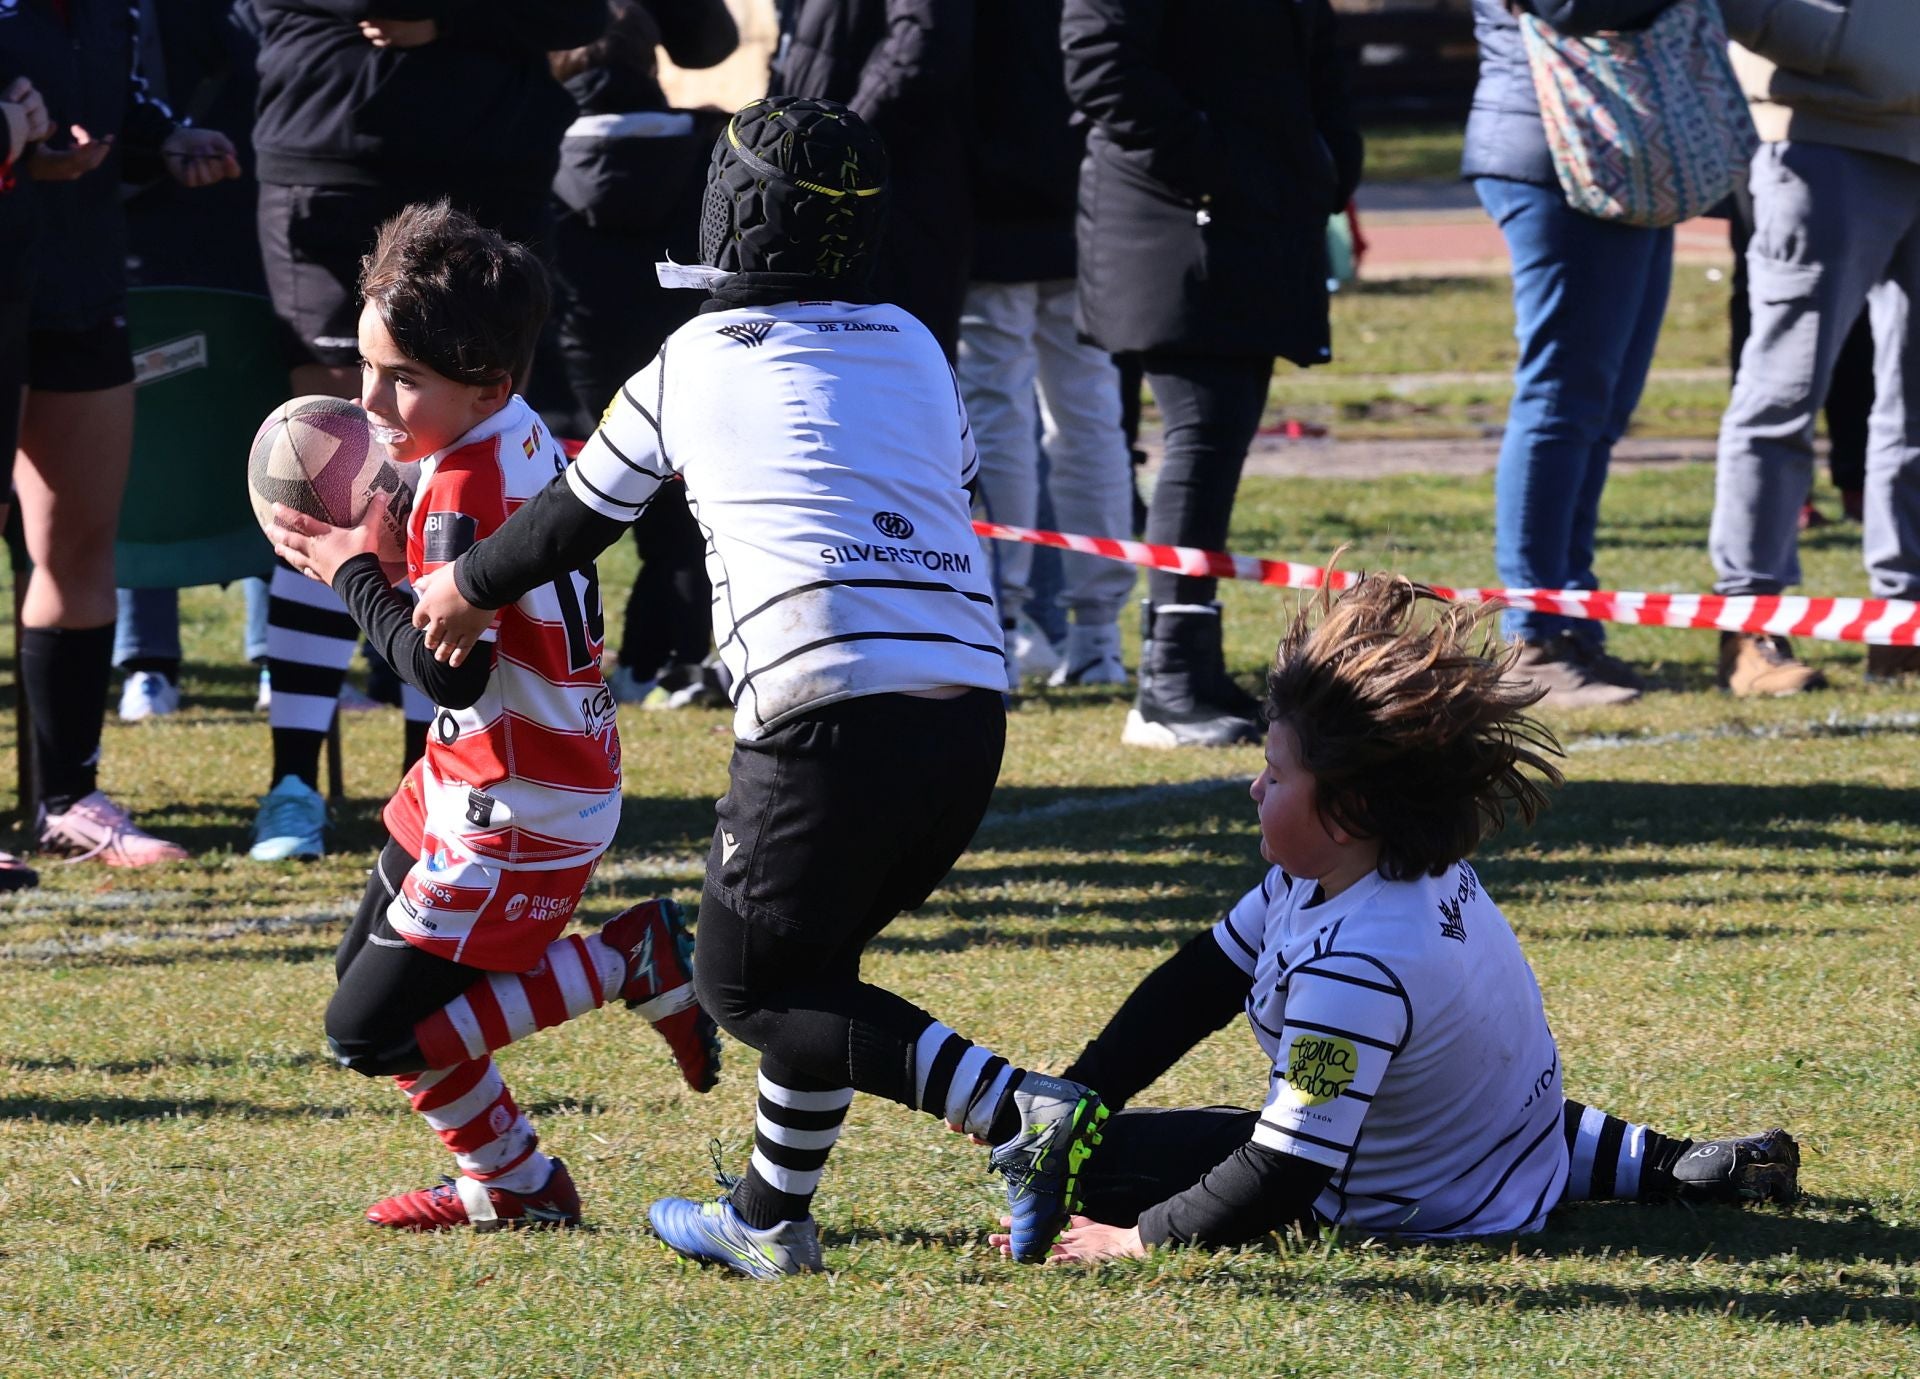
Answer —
(317, 456)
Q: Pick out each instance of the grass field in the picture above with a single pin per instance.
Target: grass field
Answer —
(1720, 907)
(1434, 357)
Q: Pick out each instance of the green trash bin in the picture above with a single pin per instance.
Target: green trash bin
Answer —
(208, 368)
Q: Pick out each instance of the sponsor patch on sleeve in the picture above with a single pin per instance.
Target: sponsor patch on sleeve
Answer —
(446, 536)
(1320, 1068)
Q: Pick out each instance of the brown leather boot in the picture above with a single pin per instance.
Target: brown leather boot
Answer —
(1757, 665)
(1568, 674)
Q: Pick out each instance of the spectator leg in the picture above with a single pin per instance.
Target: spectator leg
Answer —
(1891, 543)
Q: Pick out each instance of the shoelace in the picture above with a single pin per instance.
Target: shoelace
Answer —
(727, 1181)
(115, 824)
(281, 815)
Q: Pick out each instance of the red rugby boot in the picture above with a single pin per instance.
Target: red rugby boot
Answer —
(659, 984)
(470, 1202)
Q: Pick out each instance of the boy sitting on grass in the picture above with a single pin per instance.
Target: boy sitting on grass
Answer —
(457, 948)
(1416, 1087)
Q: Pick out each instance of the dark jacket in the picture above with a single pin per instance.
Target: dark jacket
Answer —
(621, 174)
(1504, 134)
(83, 67)
(1221, 143)
(202, 65)
(905, 66)
(1026, 146)
(477, 107)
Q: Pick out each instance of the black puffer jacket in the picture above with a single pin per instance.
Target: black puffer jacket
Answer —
(1504, 135)
(1026, 145)
(905, 66)
(83, 67)
(477, 107)
(1221, 143)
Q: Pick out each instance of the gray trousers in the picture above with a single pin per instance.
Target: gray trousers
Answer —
(1833, 228)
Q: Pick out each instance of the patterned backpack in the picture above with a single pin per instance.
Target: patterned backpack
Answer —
(1646, 127)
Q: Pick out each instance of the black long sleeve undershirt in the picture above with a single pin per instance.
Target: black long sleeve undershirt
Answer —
(387, 618)
(1252, 1191)
(554, 532)
(1189, 996)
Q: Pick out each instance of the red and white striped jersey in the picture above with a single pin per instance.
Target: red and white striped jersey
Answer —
(529, 777)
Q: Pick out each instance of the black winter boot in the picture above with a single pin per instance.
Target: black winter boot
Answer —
(1187, 698)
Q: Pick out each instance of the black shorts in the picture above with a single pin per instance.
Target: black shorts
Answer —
(839, 820)
(81, 361)
(313, 238)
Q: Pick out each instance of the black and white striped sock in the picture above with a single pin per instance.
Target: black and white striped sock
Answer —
(796, 1122)
(961, 1082)
(310, 641)
(1614, 1159)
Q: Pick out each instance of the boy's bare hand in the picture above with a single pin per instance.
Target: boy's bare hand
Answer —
(317, 549)
(69, 162)
(452, 625)
(1083, 1242)
(399, 33)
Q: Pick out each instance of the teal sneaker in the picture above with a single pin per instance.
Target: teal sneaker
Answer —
(292, 823)
(714, 1233)
(1060, 1124)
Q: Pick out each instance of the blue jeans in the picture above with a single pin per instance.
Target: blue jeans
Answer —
(148, 627)
(1588, 299)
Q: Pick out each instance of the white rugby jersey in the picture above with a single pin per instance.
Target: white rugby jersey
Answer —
(1411, 1052)
(825, 450)
(528, 778)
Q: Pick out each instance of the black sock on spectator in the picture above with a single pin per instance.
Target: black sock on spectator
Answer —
(296, 752)
(64, 672)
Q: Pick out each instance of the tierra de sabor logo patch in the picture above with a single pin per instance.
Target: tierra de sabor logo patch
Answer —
(1320, 1068)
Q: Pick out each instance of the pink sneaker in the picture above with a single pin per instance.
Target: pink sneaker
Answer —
(95, 828)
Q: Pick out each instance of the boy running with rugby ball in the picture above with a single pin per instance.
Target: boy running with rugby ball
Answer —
(457, 949)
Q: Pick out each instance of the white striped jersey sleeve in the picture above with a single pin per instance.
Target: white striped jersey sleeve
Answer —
(624, 462)
(1346, 1018)
(1242, 929)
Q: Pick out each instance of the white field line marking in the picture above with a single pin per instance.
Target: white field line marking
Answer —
(316, 916)
(1833, 725)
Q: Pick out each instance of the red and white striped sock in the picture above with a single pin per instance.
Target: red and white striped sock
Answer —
(573, 976)
(470, 1108)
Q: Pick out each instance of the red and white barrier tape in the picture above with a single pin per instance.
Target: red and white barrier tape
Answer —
(1883, 622)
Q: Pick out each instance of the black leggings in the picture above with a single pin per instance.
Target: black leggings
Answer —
(854, 813)
(387, 986)
(1210, 408)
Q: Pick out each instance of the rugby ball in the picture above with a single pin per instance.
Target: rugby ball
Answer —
(317, 455)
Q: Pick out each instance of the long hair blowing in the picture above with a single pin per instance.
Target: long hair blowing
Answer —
(1409, 722)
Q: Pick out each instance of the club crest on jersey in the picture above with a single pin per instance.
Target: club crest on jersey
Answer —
(748, 333)
(516, 908)
(1319, 1068)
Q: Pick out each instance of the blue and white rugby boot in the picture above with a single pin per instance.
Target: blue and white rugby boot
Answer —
(714, 1233)
(1060, 1125)
(292, 823)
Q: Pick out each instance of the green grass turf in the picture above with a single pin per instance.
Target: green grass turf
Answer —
(1719, 907)
(1434, 357)
(1414, 152)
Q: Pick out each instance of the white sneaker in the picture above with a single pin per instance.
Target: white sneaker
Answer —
(1031, 654)
(1092, 656)
(264, 700)
(148, 694)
